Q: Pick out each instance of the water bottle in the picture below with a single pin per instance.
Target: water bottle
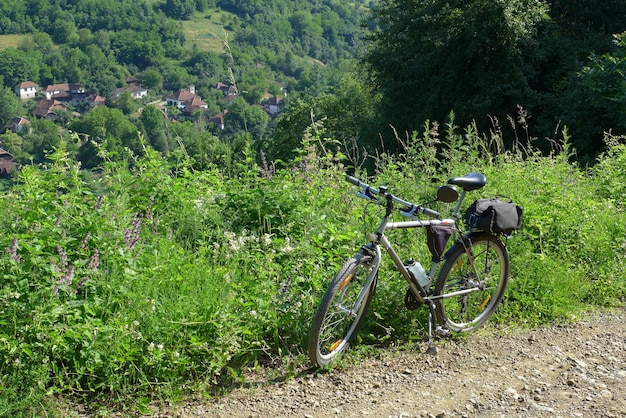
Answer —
(418, 272)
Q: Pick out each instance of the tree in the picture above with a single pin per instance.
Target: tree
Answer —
(431, 57)
(154, 123)
(17, 66)
(152, 79)
(40, 141)
(242, 117)
(126, 103)
(109, 129)
(9, 106)
(205, 149)
(597, 94)
(179, 9)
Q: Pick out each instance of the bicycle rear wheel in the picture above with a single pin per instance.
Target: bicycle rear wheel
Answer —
(342, 309)
(471, 291)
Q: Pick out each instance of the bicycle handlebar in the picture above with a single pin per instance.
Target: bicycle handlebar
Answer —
(411, 208)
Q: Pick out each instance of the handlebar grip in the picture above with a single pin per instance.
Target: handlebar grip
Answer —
(431, 213)
(353, 180)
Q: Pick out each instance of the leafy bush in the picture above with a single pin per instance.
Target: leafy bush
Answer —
(151, 280)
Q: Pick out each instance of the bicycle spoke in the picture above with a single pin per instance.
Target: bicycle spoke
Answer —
(474, 282)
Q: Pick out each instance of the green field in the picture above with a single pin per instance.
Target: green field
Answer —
(207, 31)
(11, 40)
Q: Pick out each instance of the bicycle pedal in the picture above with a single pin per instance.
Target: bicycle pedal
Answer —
(442, 332)
(410, 302)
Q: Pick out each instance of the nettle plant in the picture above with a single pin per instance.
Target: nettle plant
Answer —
(64, 245)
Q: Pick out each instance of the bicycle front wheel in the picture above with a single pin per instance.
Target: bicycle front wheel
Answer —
(472, 282)
(342, 309)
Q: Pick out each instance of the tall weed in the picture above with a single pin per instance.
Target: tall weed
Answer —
(151, 280)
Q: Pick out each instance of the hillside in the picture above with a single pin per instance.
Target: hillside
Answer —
(264, 54)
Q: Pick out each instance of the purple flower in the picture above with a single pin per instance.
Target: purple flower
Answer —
(12, 250)
(267, 171)
(94, 260)
(131, 236)
(83, 243)
(80, 284)
(284, 288)
(63, 257)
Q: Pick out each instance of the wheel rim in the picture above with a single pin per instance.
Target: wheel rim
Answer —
(342, 318)
(472, 309)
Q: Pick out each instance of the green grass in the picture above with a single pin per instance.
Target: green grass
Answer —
(207, 31)
(173, 281)
(14, 41)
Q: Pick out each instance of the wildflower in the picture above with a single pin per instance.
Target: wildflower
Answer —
(267, 171)
(287, 248)
(267, 239)
(81, 283)
(284, 288)
(66, 275)
(94, 260)
(83, 243)
(12, 250)
(69, 275)
(63, 256)
(131, 236)
(151, 347)
(99, 202)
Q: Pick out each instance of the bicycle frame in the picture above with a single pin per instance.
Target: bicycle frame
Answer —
(379, 238)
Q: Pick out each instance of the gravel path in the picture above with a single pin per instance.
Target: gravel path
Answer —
(576, 370)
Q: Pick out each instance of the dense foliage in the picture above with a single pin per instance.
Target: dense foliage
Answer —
(153, 280)
(555, 63)
(149, 254)
(484, 60)
(256, 47)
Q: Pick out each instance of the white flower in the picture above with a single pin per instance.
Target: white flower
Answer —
(287, 248)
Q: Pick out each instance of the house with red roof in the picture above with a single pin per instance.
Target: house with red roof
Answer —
(56, 91)
(7, 163)
(183, 99)
(47, 108)
(18, 124)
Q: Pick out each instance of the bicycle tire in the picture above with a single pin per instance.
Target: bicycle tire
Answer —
(469, 311)
(337, 320)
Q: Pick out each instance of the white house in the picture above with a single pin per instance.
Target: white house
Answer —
(27, 90)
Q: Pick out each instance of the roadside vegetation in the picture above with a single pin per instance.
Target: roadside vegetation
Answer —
(147, 257)
(150, 280)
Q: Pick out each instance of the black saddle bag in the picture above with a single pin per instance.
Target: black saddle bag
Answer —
(494, 215)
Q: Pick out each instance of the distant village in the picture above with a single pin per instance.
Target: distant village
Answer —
(64, 97)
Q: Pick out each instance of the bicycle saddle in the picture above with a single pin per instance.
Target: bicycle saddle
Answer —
(470, 181)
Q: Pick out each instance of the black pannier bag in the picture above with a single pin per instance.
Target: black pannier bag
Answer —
(494, 216)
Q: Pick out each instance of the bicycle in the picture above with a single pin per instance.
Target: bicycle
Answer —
(468, 288)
